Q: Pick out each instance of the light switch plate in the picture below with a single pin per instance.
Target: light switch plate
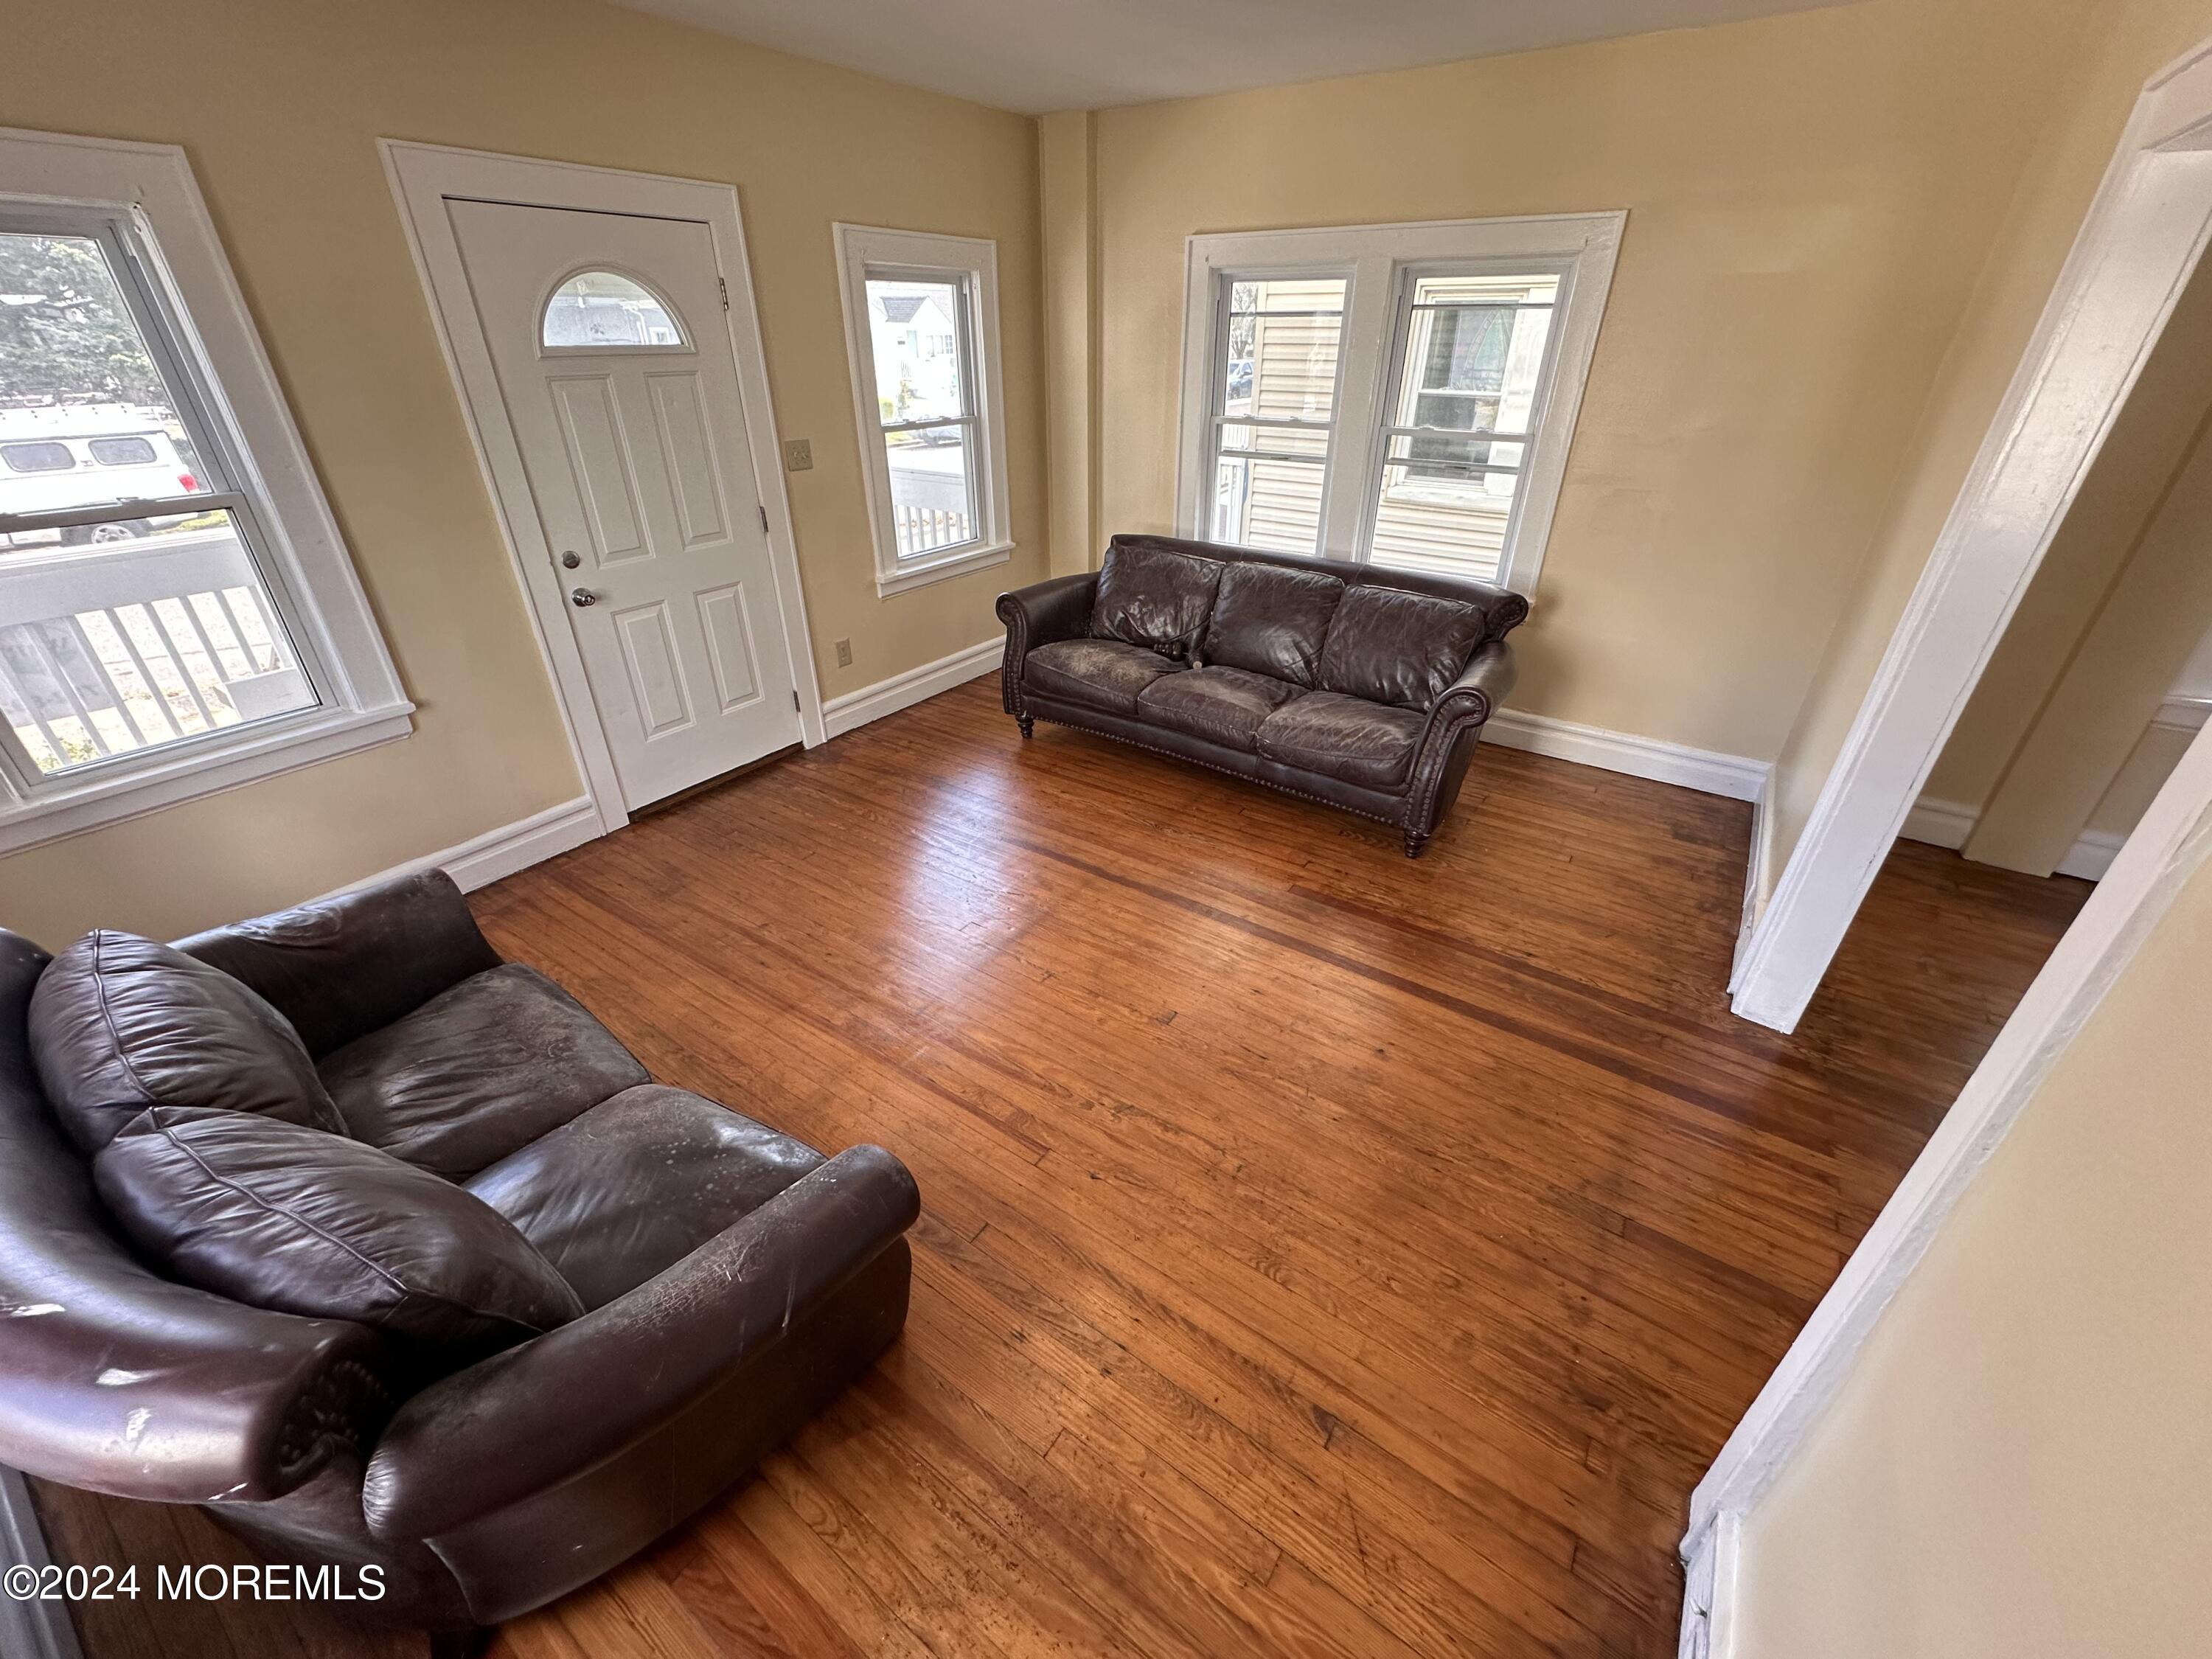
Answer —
(798, 455)
(844, 653)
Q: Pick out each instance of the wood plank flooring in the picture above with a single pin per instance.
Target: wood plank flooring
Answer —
(1323, 1253)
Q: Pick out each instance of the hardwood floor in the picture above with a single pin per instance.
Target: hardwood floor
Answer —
(1323, 1253)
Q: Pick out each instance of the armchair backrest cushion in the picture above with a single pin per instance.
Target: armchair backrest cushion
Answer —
(341, 967)
(119, 1024)
(1271, 620)
(1393, 646)
(284, 1217)
(1156, 597)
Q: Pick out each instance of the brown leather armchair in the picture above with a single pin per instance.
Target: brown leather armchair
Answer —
(732, 1282)
(1355, 685)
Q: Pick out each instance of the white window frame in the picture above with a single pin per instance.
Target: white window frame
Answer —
(921, 256)
(148, 193)
(1384, 261)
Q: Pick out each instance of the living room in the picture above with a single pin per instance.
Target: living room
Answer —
(1106, 807)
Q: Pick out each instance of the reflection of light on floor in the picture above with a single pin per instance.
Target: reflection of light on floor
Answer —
(957, 880)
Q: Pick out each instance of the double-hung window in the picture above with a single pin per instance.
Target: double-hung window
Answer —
(176, 612)
(921, 328)
(1403, 394)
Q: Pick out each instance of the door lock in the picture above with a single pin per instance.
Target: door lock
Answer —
(569, 561)
(582, 596)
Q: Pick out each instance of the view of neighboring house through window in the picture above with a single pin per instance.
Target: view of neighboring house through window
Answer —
(134, 611)
(1471, 349)
(595, 309)
(922, 397)
(1402, 394)
(1282, 339)
(922, 325)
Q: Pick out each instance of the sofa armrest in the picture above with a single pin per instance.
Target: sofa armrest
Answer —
(1038, 614)
(533, 1416)
(342, 967)
(1475, 695)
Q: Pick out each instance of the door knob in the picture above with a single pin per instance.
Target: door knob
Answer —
(582, 596)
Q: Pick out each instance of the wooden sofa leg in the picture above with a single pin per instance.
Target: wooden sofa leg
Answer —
(1416, 841)
(1027, 721)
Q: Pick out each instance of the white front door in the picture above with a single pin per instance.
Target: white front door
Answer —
(607, 336)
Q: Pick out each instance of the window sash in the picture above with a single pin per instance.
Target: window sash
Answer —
(961, 282)
(1225, 313)
(162, 329)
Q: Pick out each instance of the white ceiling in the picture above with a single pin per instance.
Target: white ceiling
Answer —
(1039, 55)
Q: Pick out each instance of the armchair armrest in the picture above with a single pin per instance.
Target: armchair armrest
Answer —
(531, 1418)
(120, 1382)
(1038, 614)
(340, 967)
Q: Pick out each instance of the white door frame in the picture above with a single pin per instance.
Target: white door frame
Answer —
(423, 176)
(2136, 249)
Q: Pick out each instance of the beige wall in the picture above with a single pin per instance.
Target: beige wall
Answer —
(2107, 64)
(1810, 201)
(279, 106)
(1067, 184)
(2018, 1467)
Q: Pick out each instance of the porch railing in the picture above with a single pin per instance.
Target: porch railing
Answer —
(114, 647)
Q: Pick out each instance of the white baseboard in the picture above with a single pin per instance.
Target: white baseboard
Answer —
(1947, 824)
(873, 702)
(1755, 871)
(1940, 823)
(1736, 776)
(1709, 1592)
(2091, 855)
(482, 859)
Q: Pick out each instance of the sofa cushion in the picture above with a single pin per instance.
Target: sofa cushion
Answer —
(1348, 738)
(1098, 673)
(1389, 645)
(1222, 705)
(477, 1072)
(1271, 620)
(637, 1183)
(1154, 597)
(298, 1221)
(119, 1024)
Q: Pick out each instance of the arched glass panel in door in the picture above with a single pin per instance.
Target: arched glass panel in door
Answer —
(604, 310)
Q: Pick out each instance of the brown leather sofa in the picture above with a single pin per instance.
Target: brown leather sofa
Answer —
(1363, 688)
(711, 1283)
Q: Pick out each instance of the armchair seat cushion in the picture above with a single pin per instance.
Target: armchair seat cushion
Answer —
(477, 1072)
(1222, 705)
(635, 1184)
(1104, 674)
(1349, 739)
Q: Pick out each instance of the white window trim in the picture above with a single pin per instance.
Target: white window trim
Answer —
(363, 703)
(1582, 247)
(858, 247)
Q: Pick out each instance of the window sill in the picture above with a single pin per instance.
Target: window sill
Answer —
(55, 814)
(915, 573)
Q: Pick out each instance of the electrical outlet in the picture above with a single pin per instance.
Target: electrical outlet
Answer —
(798, 455)
(844, 653)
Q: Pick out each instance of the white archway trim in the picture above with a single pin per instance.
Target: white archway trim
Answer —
(2135, 250)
